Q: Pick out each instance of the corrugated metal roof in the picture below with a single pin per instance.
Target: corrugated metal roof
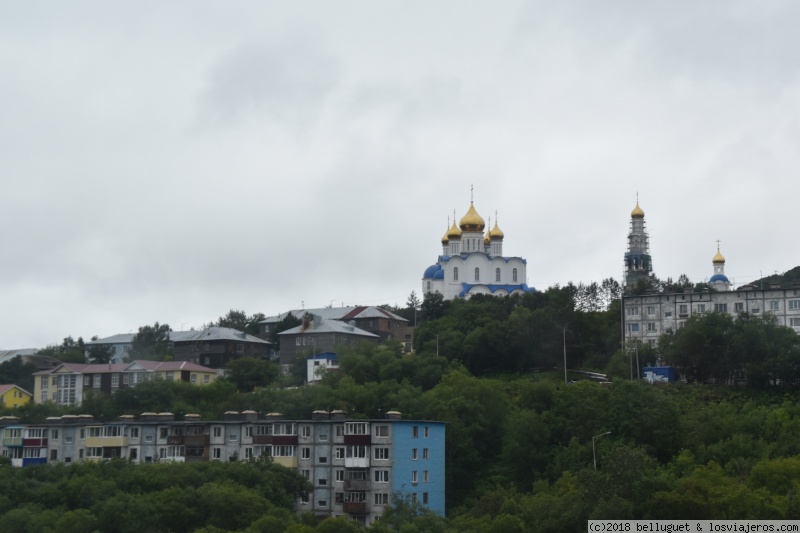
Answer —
(320, 325)
(8, 355)
(338, 313)
(122, 367)
(212, 333)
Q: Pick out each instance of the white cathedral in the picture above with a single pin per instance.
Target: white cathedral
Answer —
(473, 263)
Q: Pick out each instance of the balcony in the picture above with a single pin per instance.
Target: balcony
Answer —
(358, 440)
(355, 508)
(356, 462)
(262, 439)
(197, 441)
(34, 443)
(102, 442)
(357, 484)
(176, 440)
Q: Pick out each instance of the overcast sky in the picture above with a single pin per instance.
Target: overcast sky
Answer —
(169, 161)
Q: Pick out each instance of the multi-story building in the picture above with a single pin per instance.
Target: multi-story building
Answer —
(646, 317)
(316, 335)
(70, 383)
(376, 320)
(473, 263)
(213, 347)
(354, 467)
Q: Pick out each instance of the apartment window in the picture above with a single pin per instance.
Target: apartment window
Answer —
(414, 479)
(134, 433)
(339, 453)
(774, 305)
(248, 453)
(323, 437)
(721, 308)
(381, 498)
(794, 305)
(96, 381)
(632, 310)
(298, 341)
(44, 396)
(425, 476)
(382, 430)
(193, 378)
(413, 454)
(455, 274)
(125, 379)
(651, 310)
(68, 440)
(633, 328)
(323, 460)
(339, 475)
(83, 434)
(87, 380)
(424, 453)
(794, 322)
(162, 433)
(426, 432)
(322, 482)
(425, 498)
(739, 307)
(477, 274)
(206, 379)
(322, 503)
(114, 381)
(170, 375)
(304, 497)
(681, 324)
(356, 428)
(497, 275)
(239, 347)
(356, 451)
(413, 497)
(514, 275)
(339, 430)
(683, 310)
(415, 431)
(755, 310)
(651, 343)
(305, 453)
(232, 437)
(381, 476)
(283, 451)
(216, 431)
(701, 308)
(216, 453)
(381, 454)
(651, 327)
(45, 381)
(305, 431)
(667, 313)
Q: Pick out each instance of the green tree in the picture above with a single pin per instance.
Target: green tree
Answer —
(100, 354)
(152, 342)
(18, 372)
(288, 322)
(249, 373)
(240, 321)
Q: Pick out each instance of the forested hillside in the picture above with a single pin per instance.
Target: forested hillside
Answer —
(520, 454)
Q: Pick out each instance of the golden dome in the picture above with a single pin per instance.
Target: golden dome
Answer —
(487, 239)
(472, 221)
(454, 232)
(719, 258)
(496, 234)
(446, 237)
(637, 211)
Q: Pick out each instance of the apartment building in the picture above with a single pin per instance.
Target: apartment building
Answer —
(355, 467)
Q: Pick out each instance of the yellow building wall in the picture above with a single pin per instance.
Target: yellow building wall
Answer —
(14, 398)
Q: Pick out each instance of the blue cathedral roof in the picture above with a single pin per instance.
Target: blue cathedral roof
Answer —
(465, 288)
(718, 277)
(432, 271)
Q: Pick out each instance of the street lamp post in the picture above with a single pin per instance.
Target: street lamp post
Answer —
(594, 439)
(565, 354)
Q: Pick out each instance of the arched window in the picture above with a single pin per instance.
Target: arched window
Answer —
(497, 275)
(455, 274)
(429, 286)
(514, 275)
(477, 274)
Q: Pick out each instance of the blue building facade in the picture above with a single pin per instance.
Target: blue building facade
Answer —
(419, 462)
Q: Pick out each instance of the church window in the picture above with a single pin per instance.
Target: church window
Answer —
(514, 275)
(497, 274)
(477, 274)
(429, 287)
(455, 274)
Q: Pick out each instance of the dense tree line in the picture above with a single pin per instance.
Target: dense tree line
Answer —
(520, 454)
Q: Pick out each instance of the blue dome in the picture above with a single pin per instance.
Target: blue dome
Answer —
(718, 277)
(431, 271)
(439, 274)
